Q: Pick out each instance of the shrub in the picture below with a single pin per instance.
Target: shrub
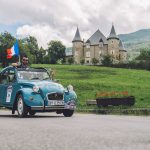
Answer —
(70, 60)
(94, 61)
(82, 61)
(107, 60)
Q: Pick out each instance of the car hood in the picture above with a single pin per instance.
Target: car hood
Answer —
(45, 86)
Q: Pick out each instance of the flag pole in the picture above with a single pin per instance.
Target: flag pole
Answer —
(18, 46)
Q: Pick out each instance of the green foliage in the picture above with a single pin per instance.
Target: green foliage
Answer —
(56, 51)
(40, 56)
(46, 59)
(95, 61)
(82, 61)
(144, 54)
(33, 46)
(6, 41)
(107, 60)
(90, 80)
(70, 60)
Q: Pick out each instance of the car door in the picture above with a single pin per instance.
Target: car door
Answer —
(9, 88)
(3, 82)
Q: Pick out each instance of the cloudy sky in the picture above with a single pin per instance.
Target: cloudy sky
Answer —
(57, 19)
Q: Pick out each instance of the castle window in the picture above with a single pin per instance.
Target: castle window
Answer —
(87, 54)
(87, 61)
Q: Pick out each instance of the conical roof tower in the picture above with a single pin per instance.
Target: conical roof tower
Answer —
(113, 34)
(77, 37)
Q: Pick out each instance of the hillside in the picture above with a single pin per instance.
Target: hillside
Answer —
(136, 41)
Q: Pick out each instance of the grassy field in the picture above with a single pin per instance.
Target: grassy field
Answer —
(90, 80)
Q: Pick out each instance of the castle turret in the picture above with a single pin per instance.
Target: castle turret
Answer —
(122, 53)
(113, 45)
(77, 47)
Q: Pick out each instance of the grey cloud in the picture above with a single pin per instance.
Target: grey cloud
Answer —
(64, 15)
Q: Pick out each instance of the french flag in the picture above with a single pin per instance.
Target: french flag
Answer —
(13, 51)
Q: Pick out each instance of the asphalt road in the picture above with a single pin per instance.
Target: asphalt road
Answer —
(80, 132)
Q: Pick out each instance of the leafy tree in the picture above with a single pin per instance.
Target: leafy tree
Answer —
(40, 55)
(6, 41)
(107, 60)
(46, 59)
(33, 46)
(94, 61)
(56, 51)
(24, 49)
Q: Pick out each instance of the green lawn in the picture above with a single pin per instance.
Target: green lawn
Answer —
(88, 80)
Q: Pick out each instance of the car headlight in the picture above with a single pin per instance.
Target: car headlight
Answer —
(36, 89)
(70, 88)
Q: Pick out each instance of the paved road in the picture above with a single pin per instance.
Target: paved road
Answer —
(80, 132)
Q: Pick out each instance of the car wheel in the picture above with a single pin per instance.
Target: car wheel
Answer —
(32, 113)
(21, 107)
(68, 113)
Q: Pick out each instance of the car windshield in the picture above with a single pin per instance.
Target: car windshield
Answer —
(32, 74)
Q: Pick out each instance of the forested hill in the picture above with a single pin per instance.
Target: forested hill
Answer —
(136, 41)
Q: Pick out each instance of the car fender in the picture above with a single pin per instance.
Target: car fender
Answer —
(30, 98)
(70, 96)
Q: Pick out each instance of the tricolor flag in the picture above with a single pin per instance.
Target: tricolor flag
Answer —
(13, 51)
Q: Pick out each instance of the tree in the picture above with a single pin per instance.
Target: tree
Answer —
(40, 55)
(94, 61)
(6, 41)
(144, 54)
(56, 51)
(107, 60)
(33, 46)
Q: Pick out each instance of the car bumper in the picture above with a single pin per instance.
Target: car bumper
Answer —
(42, 108)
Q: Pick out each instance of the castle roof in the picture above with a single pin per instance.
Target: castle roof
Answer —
(121, 47)
(77, 36)
(113, 33)
(96, 37)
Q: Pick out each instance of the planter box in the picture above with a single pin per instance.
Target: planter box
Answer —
(127, 101)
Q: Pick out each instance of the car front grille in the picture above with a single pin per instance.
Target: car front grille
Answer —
(55, 96)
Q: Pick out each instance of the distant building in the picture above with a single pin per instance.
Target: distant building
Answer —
(98, 46)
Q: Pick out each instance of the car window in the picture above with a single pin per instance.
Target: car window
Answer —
(4, 77)
(7, 76)
(33, 75)
(11, 75)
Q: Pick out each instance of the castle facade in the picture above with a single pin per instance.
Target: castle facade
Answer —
(98, 46)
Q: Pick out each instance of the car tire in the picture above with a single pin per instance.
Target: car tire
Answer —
(32, 113)
(68, 113)
(21, 107)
